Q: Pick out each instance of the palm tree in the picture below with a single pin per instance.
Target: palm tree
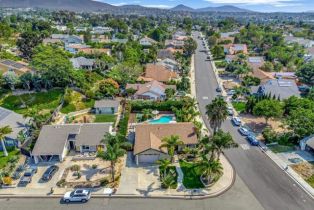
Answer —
(209, 169)
(147, 113)
(116, 139)
(222, 140)
(3, 132)
(163, 165)
(168, 181)
(217, 112)
(112, 154)
(171, 143)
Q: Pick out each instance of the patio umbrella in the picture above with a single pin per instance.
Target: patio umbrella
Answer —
(155, 112)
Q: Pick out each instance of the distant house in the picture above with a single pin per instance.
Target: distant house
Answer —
(83, 63)
(147, 42)
(169, 64)
(100, 38)
(179, 36)
(255, 62)
(280, 88)
(16, 122)
(74, 48)
(228, 36)
(307, 43)
(309, 56)
(106, 106)
(232, 49)
(177, 44)
(122, 41)
(56, 141)
(230, 58)
(101, 30)
(157, 72)
(148, 139)
(153, 90)
(285, 75)
(165, 53)
(262, 75)
(68, 39)
(18, 67)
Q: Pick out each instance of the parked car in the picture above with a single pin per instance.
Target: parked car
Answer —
(80, 195)
(252, 139)
(25, 180)
(236, 121)
(244, 131)
(49, 173)
(16, 175)
(218, 89)
(230, 111)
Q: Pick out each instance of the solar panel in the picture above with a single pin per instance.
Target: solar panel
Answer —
(284, 83)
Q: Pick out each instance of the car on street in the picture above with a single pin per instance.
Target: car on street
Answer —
(244, 131)
(49, 173)
(230, 111)
(252, 139)
(79, 195)
(236, 121)
(218, 89)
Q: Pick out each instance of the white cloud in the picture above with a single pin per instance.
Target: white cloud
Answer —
(119, 4)
(254, 2)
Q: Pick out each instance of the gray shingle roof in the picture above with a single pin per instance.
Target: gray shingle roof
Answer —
(12, 119)
(53, 138)
(106, 103)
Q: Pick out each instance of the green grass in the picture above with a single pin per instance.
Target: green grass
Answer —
(280, 148)
(105, 118)
(239, 106)
(4, 160)
(43, 101)
(72, 108)
(191, 176)
(310, 181)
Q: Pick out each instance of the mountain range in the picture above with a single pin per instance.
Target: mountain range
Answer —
(90, 5)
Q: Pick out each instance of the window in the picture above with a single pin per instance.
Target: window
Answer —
(85, 147)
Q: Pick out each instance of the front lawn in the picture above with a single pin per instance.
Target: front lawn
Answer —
(280, 148)
(310, 181)
(191, 176)
(4, 160)
(105, 118)
(43, 101)
(239, 106)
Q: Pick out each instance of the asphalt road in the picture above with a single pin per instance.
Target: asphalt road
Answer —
(237, 198)
(268, 183)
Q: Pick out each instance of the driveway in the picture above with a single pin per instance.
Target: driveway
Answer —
(136, 180)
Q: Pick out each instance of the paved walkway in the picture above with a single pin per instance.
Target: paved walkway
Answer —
(180, 174)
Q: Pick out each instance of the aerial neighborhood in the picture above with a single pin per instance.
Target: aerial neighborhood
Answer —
(174, 105)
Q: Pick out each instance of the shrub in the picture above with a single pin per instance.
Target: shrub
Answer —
(94, 166)
(160, 106)
(7, 180)
(104, 182)
(61, 183)
(75, 168)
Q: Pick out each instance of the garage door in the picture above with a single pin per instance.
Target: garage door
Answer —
(148, 158)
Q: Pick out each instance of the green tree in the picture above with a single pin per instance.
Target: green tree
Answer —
(210, 169)
(27, 42)
(217, 112)
(218, 51)
(163, 166)
(3, 132)
(171, 143)
(268, 108)
(301, 122)
(11, 79)
(306, 73)
(189, 47)
(221, 141)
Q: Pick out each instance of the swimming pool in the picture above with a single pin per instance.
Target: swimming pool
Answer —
(162, 120)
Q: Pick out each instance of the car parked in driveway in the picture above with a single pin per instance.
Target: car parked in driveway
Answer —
(252, 139)
(236, 121)
(230, 111)
(49, 173)
(244, 131)
(79, 195)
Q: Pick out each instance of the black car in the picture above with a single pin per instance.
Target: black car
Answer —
(49, 173)
(218, 89)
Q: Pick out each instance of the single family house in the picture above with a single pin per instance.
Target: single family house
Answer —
(106, 106)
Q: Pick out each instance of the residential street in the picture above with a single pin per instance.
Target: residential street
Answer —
(268, 183)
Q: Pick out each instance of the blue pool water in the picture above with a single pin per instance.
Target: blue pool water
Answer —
(162, 120)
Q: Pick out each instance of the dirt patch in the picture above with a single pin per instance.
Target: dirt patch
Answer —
(305, 169)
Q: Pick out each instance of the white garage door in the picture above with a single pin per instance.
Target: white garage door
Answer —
(148, 158)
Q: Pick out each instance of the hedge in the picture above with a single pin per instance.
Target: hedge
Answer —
(139, 105)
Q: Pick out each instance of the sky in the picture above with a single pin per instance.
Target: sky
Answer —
(256, 5)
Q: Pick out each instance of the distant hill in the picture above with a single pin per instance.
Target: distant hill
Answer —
(92, 5)
(182, 7)
(225, 8)
(73, 5)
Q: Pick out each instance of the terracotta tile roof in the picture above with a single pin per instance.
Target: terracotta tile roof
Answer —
(153, 86)
(149, 136)
(262, 75)
(157, 72)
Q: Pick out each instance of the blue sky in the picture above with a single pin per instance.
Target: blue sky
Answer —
(257, 5)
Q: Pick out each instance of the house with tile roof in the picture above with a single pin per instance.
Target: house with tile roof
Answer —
(152, 90)
(232, 49)
(148, 139)
(157, 72)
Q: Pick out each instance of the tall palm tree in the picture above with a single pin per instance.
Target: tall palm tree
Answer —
(171, 143)
(3, 132)
(116, 139)
(222, 140)
(112, 154)
(210, 169)
(163, 165)
(217, 112)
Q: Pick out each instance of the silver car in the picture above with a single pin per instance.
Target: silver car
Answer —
(79, 195)
(244, 131)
